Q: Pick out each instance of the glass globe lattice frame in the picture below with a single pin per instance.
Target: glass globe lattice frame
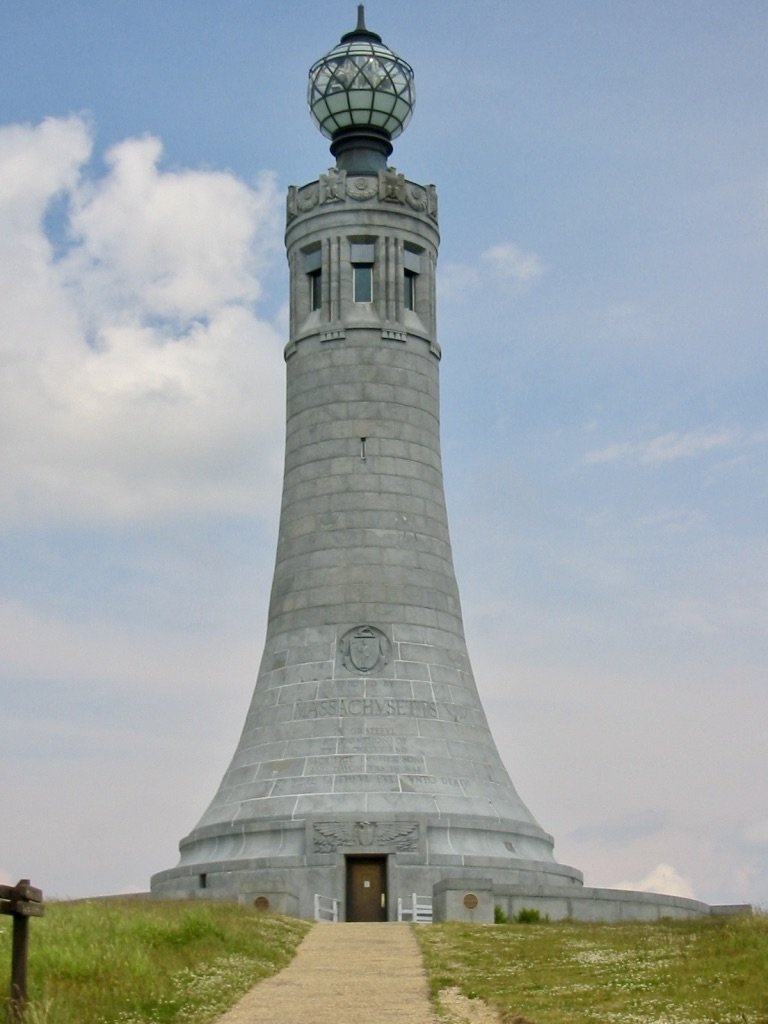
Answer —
(361, 85)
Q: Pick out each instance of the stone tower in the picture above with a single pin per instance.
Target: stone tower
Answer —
(366, 768)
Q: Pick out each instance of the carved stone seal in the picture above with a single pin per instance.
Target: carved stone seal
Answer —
(364, 649)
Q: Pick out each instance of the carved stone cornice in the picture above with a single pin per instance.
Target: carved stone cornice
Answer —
(338, 187)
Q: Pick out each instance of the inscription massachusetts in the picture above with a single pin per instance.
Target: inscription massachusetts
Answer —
(343, 707)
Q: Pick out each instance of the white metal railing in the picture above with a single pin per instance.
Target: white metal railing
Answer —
(420, 910)
(326, 908)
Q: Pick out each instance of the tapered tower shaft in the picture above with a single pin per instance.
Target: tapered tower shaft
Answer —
(366, 738)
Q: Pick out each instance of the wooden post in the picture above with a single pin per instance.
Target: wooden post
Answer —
(19, 960)
(22, 901)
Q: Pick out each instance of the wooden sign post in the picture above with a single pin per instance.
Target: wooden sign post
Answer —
(22, 901)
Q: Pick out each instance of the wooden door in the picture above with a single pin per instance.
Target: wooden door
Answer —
(366, 888)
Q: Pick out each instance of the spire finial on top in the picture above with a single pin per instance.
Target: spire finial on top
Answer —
(360, 31)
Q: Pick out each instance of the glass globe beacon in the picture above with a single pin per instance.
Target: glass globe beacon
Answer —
(361, 85)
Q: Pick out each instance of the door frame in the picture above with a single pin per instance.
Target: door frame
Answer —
(383, 860)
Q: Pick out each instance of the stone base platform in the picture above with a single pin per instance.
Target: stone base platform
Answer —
(458, 894)
(474, 901)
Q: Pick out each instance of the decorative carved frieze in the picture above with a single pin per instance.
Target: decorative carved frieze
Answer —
(391, 186)
(399, 836)
(424, 200)
(333, 186)
(362, 188)
(388, 186)
(301, 200)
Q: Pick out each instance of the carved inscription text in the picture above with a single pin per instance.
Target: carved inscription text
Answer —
(385, 707)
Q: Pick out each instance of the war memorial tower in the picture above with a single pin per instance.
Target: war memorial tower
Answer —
(366, 769)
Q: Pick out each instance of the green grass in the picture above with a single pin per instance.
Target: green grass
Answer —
(137, 961)
(687, 972)
(140, 962)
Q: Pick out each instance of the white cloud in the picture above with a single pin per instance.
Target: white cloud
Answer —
(137, 380)
(664, 879)
(170, 244)
(504, 264)
(37, 163)
(664, 448)
(508, 263)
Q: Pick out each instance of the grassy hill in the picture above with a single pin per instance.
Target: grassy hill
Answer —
(141, 962)
(671, 972)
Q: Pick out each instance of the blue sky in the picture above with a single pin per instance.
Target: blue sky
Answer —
(602, 169)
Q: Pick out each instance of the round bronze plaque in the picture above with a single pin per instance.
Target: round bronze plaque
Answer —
(261, 903)
(470, 901)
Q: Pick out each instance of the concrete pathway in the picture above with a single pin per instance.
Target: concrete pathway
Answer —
(344, 974)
